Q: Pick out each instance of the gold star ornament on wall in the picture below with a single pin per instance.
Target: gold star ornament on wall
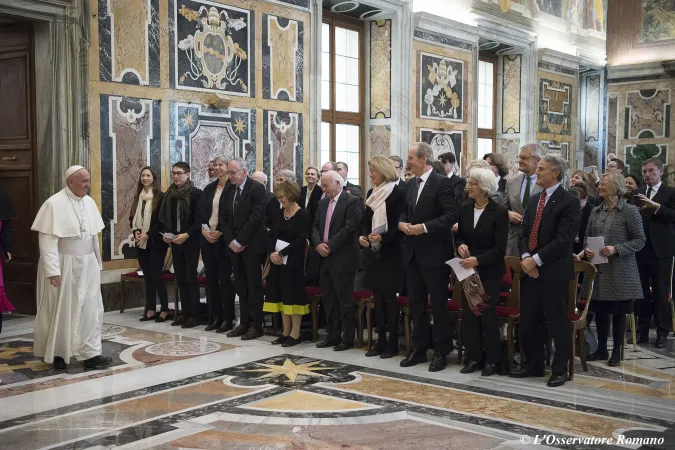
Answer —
(239, 126)
(290, 370)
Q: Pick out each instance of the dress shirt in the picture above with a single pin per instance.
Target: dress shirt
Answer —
(533, 181)
(309, 194)
(549, 192)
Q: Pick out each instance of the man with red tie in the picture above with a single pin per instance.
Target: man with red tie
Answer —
(550, 224)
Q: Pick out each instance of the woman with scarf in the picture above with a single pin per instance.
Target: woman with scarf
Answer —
(481, 238)
(150, 246)
(178, 216)
(7, 213)
(381, 242)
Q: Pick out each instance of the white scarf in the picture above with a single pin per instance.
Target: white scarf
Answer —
(376, 202)
(142, 221)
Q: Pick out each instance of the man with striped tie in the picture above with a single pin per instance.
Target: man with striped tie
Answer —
(550, 224)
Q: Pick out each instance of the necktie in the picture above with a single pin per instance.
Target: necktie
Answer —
(237, 194)
(649, 193)
(416, 190)
(329, 216)
(526, 194)
(534, 233)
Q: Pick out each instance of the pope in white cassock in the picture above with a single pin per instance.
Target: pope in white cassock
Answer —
(69, 302)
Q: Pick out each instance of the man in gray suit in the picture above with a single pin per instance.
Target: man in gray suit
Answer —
(519, 190)
(335, 238)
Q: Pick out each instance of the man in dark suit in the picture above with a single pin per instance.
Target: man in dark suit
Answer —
(335, 238)
(657, 201)
(311, 193)
(457, 183)
(243, 226)
(427, 220)
(550, 224)
(343, 170)
(271, 203)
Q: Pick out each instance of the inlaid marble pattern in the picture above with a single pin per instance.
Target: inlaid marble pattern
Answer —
(511, 94)
(380, 69)
(443, 142)
(441, 84)
(435, 38)
(380, 140)
(129, 48)
(658, 21)
(198, 133)
(130, 139)
(659, 151)
(283, 146)
(511, 149)
(211, 47)
(555, 107)
(557, 148)
(612, 122)
(283, 58)
(592, 108)
(647, 114)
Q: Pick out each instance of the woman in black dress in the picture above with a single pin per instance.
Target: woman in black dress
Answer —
(381, 240)
(286, 280)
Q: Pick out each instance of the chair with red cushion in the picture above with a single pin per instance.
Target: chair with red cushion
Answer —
(362, 299)
(403, 304)
(577, 317)
(134, 277)
(509, 313)
(507, 280)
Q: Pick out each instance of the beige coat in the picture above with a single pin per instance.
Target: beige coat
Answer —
(512, 202)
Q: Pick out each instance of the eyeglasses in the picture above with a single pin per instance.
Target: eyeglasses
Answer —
(612, 166)
(233, 172)
(177, 174)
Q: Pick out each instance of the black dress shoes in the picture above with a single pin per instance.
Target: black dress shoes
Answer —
(226, 326)
(488, 370)
(414, 357)
(98, 362)
(526, 372)
(251, 334)
(190, 323)
(237, 332)
(599, 355)
(327, 343)
(557, 379)
(615, 360)
(147, 318)
(280, 340)
(660, 341)
(178, 322)
(214, 325)
(438, 362)
(388, 354)
(373, 352)
(290, 342)
(643, 338)
(59, 363)
(341, 347)
(472, 367)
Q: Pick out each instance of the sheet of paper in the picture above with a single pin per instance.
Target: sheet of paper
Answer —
(169, 236)
(595, 244)
(206, 227)
(139, 273)
(280, 245)
(460, 271)
(380, 229)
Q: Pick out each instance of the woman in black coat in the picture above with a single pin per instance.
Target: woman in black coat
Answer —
(381, 240)
(7, 213)
(586, 208)
(150, 246)
(481, 238)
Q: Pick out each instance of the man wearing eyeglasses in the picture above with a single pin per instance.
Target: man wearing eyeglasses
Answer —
(178, 217)
(398, 166)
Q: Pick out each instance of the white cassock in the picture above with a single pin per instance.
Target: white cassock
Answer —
(69, 318)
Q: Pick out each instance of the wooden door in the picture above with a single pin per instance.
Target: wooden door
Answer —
(18, 161)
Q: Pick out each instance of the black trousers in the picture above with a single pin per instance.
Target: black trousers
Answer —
(618, 330)
(429, 282)
(386, 319)
(483, 331)
(185, 262)
(654, 272)
(544, 302)
(337, 296)
(152, 263)
(220, 293)
(247, 267)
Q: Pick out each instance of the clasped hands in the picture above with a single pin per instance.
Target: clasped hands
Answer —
(276, 258)
(371, 239)
(178, 240)
(605, 251)
(529, 266)
(410, 229)
(468, 261)
(211, 236)
(140, 238)
(323, 249)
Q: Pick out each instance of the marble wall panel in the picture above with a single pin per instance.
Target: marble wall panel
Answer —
(380, 69)
(198, 133)
(591, 155)
(444, 141)
(552, 7)
(211, 47)
(282, 143)
(555, 107)
(380, 140)
(441, 84)
(660, 151)
(557, 148)
(592, 108)
(511, 149)
(283, 58)
(130, 139)
(647, 114)
(658, 21)
(612, 123)
(511, 94)
(129, 48)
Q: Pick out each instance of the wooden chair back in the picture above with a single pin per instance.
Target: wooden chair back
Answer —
(168, 261)
(513, 264)
(589, 272)
(306, 255)
(266, 269)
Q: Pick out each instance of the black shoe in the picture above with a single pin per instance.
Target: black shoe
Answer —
(280, 340)
(341, 347)
(147, 318)
(599, 355)
(557, 379)
(327, 343)
(438, 362)
(190, 323)
(251, 334)
(643, 338)
(373, 352)
(615, 360)
(226, 326)
(238, 332)
(213, 325)
(488, 370)
(59, 363)
(660, 341)
(180, 320)
(414, 357)
(472, 367)
(526, 372)
(160, 319)
(98, 362)
(388, 354)
(290, 342)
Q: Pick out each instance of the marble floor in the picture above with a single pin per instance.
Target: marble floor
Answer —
(171, 388)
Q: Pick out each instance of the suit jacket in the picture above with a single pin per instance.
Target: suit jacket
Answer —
(501, 186)
(487, 240)
(659, 226)
(585, 215)
(247, 225)
(457, 184)
(206, 203)
(438, 210)
(512, 203)
(272, 206)
(351, 185)
(402, 183)
(559, 225)
(155, 240)
(190, 224)
(343, 232)
(314, 198)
